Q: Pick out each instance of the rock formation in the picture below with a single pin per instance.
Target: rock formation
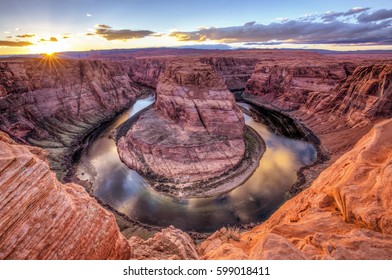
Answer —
(44, 219)
(345, 214)
(287, 85)
(195, 129)
(364, 96)
(53, 103)
(169, 244)
(235, 70)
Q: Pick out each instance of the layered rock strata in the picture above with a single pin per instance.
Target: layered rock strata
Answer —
(287, 86)
(44, 219)
(53, 103)
(235, 70)
(345, 214)
(357, 93)
(194, 132)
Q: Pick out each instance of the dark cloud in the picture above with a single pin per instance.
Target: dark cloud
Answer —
(15, 43)
(110, 34)
(89, 34)
(25, 35)
(103, 26)
(375, 16)
(250, 23)
(333, 16)
(301, 31)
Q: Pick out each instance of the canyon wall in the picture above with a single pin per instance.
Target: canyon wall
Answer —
(288, 85)
(44, 219)
(357, 93)
(235, 70)
(345, 214)
(53, 103)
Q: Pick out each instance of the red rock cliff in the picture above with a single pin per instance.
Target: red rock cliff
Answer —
(40, 218)
(53, 103)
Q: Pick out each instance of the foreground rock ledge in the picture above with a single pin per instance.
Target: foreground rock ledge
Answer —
(345, 214)
(193, 133)
(40, 218)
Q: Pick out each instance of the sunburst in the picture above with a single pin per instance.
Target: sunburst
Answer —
(51, 61)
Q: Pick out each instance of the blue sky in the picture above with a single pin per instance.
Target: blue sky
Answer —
(42, 26)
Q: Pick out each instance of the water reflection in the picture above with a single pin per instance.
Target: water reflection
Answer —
(253, 201)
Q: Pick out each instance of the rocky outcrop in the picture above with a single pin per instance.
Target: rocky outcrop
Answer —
(364, 96)
(169, 244)
(345, 214)
(44, 219)
(195, 129)
(53, 103)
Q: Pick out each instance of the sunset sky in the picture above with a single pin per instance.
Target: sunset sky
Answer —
(43, 26)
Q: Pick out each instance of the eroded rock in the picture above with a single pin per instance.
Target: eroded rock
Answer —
(194, 132)
(345, 214)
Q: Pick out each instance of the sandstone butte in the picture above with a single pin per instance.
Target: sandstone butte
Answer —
(195, 128)
(344, 214)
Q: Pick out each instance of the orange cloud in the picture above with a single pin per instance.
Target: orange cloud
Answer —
(25, 35)
(15, 43)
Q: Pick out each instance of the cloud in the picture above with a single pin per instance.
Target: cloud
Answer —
(330, 16)
(89, 34)
(272, 43)
(51, 39)
(89, 15)
(110, 34)
(25, 36)
(375, 16)
(103, 26)
(15, 43)
(316, 30)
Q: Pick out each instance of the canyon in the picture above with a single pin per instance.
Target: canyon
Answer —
(195, 132)
(341, 208)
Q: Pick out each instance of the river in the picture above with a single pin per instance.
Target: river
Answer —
(252, 202)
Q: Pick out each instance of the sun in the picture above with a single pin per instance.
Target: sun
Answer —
(48, 48)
